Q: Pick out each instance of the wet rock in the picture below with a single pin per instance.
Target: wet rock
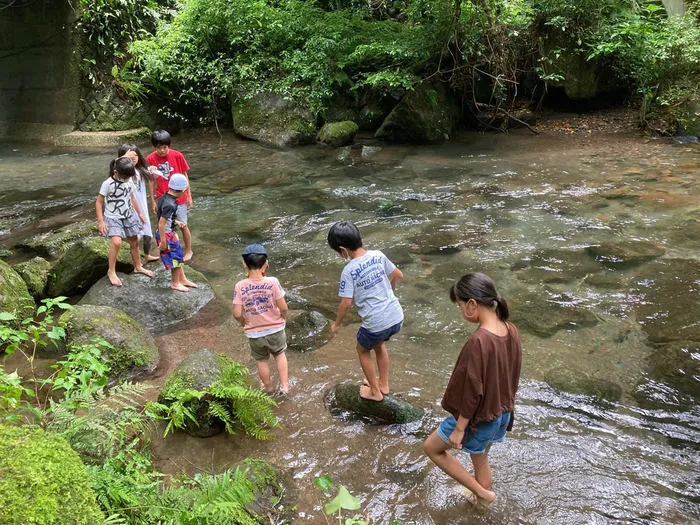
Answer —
(578, 382)
(198, 371)
(442, 238)
(35, 273)
(369, 151)
(151, 301)
(388, 208)
(135, 353)
(625, 253)
(555, 266)
(273, 120)
(424, 116)
(669, 311)
(83, 265)
(337, 134)
(307, 330)
(14, 295)
(275, 491)
(673, 375)
(391, 409)
(4, 254)
(55, 243)
(538, 315)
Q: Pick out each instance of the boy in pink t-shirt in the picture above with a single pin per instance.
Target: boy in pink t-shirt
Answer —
(259, 305)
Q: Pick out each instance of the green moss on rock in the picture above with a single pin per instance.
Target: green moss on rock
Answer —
(14, 295)
(55, 243)
(391, 409)
(135, 351)
(338, 134)
(275, 492)
(43, 481)
(35, 273)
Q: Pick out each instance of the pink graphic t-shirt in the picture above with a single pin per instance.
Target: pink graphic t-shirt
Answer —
(259, 299)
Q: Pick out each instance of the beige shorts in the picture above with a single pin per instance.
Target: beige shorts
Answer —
(262, 347)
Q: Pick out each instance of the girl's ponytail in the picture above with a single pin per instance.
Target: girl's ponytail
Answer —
(501, 308)
(482, 289)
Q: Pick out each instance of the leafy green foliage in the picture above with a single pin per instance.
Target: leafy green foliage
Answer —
(12, 406)
(343, 500)
(83, 373)
(230, 400)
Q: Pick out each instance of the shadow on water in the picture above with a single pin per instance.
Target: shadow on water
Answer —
(593, 241)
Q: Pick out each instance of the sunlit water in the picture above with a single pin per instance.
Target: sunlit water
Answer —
(523, 209)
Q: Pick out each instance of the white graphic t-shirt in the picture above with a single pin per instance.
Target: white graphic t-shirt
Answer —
(365, 280)
(117, 196)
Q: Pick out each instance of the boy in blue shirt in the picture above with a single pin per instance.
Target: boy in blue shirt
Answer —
(368, 280)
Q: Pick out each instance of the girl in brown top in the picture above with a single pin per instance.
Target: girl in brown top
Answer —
(481, 392)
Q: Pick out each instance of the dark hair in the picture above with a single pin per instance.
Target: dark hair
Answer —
(482, 289)
(123, 166)
(254, 261)
(160, 137)
(141, 166)
(346, 235)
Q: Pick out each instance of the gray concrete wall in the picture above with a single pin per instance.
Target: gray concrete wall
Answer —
(39, 80)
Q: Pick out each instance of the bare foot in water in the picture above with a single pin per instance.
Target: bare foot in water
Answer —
(141, 269)
(384, 391)
(366, 393)
(116, 281)
(179, 288)
(481, 503)
(189, 283)
(187, 257)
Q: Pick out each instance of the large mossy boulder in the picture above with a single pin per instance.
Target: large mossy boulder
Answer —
(43, 481)
(392, 409)
(427, 115)
(198, 371)
(83, 265)
(307, 330)
(55, 243)
(338, 134)
(35, 273)
(14, 295)
(273, 120)
(578, 382)
(135, 352)
(151, 301)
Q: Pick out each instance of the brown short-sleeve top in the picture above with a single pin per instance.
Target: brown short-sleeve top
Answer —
(485, 379)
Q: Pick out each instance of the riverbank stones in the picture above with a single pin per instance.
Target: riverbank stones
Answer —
(14, 295)
(151, 301)
(392, 409)
(83, 265)
(338, 134)
(307, 330)
(134, 353)
(35, 273)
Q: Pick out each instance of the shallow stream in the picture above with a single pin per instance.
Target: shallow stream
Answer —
(594, 241)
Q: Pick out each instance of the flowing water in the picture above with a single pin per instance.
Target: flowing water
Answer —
(595, 243)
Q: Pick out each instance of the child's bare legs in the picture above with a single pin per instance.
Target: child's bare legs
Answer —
(136, 257)
(282, 370)
(264, 374)
(482, 469)
(147, 244)
(114, 245)
(371, 390)
(437, 450)
(382, 356)
(187, 239)
(177, 275)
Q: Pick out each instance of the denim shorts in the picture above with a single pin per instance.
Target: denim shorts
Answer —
(475, 442)
(369, 340)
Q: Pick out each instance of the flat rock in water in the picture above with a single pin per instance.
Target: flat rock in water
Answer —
(578, 382)
(135, 353)
(625, 253)
(55, 243)
(390, 410)
(151, 301)
(83, 265)
(535, 314)
(307, 330)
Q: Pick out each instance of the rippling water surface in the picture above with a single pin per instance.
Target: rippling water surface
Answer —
(595, 242)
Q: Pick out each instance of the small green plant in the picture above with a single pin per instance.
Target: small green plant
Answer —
(228, 400)
(12, 406)
(343, 500)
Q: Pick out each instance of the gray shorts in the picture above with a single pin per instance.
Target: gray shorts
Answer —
(181, 213)
(123, 228)
(262, 347)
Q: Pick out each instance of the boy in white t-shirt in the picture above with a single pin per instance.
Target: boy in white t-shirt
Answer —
(259, 305)
(368, 280)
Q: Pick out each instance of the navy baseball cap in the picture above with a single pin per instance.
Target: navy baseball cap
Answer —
(258, 249)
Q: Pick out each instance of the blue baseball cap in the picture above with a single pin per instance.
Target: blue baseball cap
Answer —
(258, 249)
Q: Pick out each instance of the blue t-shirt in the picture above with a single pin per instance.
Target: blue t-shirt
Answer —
(365, 280)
